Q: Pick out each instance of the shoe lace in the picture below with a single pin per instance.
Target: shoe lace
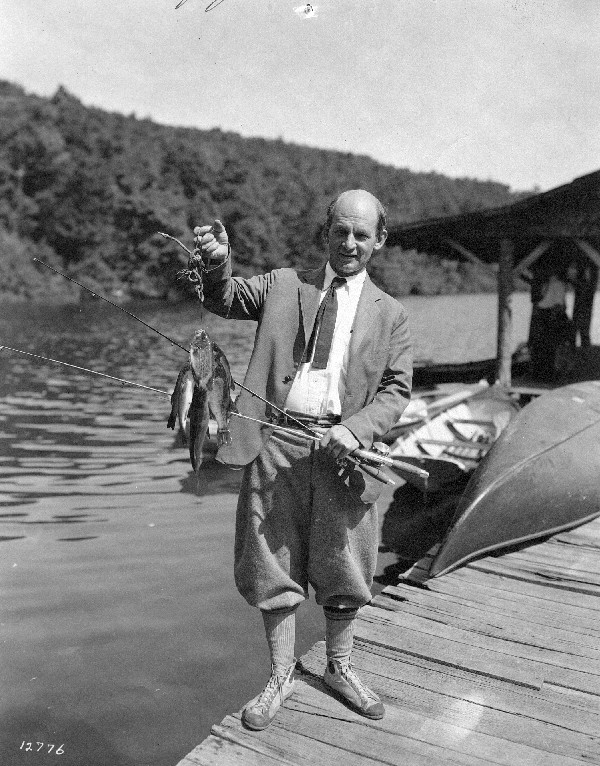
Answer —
(274, 685)
(366, 694)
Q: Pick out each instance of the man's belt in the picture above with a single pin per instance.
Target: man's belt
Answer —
(291, 419)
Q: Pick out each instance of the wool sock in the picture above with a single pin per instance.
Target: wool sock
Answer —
(280, 628)
(339, 634)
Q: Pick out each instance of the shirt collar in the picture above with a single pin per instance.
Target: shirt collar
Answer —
(354, 282)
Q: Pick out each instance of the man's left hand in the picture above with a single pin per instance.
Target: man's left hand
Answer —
(339, 441)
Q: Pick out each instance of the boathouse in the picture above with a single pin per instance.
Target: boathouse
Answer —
(564, 221)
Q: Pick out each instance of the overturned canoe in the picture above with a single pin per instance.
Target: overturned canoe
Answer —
(541, 476)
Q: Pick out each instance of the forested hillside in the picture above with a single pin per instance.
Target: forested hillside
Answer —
(88, 190)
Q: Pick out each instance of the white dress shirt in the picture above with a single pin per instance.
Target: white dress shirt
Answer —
(321, 392)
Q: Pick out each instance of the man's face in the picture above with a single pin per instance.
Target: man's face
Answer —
(352, 236)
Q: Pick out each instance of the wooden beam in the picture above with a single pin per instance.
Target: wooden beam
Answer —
(505, 290)
(531, 258)
(466, 253)
(589, 250)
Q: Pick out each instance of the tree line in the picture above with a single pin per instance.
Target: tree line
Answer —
(87, 191)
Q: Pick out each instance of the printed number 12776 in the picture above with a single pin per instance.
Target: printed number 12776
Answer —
(35, 747)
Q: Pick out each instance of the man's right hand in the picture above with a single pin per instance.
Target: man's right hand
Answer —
(212, 241)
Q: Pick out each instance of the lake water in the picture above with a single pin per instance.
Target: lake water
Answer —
(123, 638)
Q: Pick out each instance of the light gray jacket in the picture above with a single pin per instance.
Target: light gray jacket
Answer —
(284, 302)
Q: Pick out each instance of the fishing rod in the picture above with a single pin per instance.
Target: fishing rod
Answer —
(361, 455)
(84, 369)
(277, 427)
(174, 342)
(368, 456)
(372, 458)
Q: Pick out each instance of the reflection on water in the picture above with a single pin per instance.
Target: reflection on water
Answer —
(123, 637)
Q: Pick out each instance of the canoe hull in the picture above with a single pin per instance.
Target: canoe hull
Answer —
(463, 372)
(541, 476)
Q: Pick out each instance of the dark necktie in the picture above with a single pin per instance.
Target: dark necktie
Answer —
(322, 334)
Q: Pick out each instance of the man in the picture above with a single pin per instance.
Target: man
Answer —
(586, 283)
(333, 351)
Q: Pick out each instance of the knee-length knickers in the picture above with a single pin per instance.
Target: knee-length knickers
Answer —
(299, 523)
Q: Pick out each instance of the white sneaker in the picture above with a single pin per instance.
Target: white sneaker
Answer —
(261, 710)
(348, 686)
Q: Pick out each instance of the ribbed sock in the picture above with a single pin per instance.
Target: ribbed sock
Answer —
(280, 628)
(339, 634)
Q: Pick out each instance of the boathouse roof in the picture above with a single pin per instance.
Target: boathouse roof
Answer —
(567, 212)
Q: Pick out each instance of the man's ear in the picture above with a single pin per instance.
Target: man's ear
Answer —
(381, 240)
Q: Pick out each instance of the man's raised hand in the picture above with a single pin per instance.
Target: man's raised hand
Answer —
(212, 241)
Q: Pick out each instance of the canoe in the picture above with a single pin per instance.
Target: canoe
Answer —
(426, 373)
(541, 477)
(451, 444)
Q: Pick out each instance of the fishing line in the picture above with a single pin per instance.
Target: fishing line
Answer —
(166, 337)
(85, 369)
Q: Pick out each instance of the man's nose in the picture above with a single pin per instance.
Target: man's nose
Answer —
(349, 242)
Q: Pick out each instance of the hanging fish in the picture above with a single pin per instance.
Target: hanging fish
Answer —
(181, 399)
(219, 396)
(199, 416)
(203, 389)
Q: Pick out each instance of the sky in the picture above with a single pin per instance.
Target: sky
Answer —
(489, 89)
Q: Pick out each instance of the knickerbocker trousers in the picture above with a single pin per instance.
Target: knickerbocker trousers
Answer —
(298, 522)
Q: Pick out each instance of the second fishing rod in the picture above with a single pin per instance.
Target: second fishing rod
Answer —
(366, 456)
(173, 342)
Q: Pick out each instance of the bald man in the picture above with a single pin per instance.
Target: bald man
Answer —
(333, 351)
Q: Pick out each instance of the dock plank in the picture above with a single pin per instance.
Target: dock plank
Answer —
(545, 576)
(483, 619)
(446, 651)
(496, 573)
(580, 620)
(466, 647)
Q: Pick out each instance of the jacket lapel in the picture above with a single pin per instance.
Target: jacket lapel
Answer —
(310, 293)
(367, 312)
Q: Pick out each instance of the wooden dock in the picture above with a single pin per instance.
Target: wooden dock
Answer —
(495, 663)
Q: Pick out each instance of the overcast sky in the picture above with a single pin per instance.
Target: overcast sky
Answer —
(501, 89)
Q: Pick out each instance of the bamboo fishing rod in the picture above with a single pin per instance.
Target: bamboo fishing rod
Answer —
(370, 461)
(174, 342)
(360, 457)
(367, 456)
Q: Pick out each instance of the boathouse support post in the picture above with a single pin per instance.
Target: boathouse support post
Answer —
(505, 290)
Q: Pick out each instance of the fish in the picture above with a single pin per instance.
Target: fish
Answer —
(199, 416)
(219, 396)
(202, 359)
(181, 399)
(203, 390)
